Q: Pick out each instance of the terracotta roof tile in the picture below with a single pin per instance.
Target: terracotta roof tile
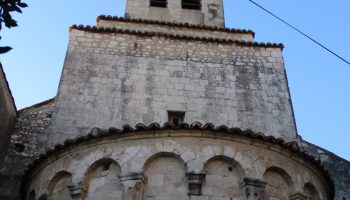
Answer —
(175, 24)
(95, 29)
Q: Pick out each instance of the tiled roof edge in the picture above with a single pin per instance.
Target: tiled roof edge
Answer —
(176, 24)
(8, 87)
(98, 133)
(323, 149)
(175, 36)
(37, 105)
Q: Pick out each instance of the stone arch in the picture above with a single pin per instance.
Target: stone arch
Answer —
(101, 180)
(166, 177)
(311, 192)
(31, 195)
(58, 186)
(224, 175)
(279, 184)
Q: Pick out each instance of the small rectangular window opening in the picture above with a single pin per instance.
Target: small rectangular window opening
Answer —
(158, 3)
(191, 4)
(176, 117)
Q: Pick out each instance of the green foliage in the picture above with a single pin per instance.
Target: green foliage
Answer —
(6, 8)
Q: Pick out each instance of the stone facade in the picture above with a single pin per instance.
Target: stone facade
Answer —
(161, 163)
(136, 74)
(211, 12)
(339, 169)
(8, 114)
(24, 147)
(131, 77)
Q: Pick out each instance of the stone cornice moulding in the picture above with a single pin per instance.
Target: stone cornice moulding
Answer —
(174, 24)
(95, 29)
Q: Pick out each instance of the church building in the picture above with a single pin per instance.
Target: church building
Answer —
(166, 103)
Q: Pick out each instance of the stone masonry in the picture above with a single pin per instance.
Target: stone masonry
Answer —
(135, 78)
(158, 164)
(339, 169)
(134, 73)
(24, 147)
(8, 114)
(210, 14)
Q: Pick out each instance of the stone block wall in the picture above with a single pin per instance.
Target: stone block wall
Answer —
(178, 165)
(210, 14)
(8, 114)
(113, 79)
(339, 169)
(24, 148)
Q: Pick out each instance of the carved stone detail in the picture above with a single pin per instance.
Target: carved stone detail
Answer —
(253, 189)
(76, 191)
(298, 196)
(133, 186)
(195, 182)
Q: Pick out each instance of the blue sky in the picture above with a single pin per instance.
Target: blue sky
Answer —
(319, 82)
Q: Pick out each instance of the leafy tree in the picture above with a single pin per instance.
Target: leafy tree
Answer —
(6, 8)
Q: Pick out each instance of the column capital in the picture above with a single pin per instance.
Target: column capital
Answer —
(298, 196)
(195, 182)
(253, 188)
(132, 177)
(76, 190)
(133, 185)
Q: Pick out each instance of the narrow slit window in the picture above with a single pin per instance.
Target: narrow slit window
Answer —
(176, 117)
(191, 4)
(158, 3)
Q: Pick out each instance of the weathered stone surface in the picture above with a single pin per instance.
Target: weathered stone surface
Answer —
(278, 184)
(7, 115)
(253, 189)
(339, 169)
(223, 179)
(24, 148)
(116, 79)
(134, 71)
(165, 171)
(211, 12)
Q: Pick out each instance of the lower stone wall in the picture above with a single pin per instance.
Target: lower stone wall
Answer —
(177, 165)
(24, 148)
(339, 169)
(32, 122)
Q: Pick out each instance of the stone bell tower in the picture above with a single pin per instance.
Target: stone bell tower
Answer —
(199, 12)
(164, 104)
(170, 59)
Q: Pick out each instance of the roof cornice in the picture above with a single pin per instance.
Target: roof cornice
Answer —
(38, 105)
(175, 24)
(96, 29)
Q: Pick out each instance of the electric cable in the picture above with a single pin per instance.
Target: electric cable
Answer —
(299, 31)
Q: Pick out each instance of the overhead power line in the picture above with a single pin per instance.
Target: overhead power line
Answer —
(299, 31)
